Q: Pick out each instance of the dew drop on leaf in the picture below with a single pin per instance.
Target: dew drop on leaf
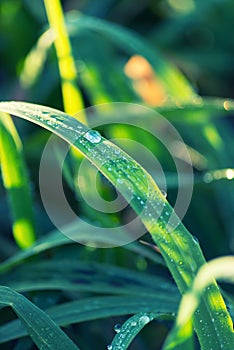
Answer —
(208, 177)
(93, 136)
(109, 347)
(117, 328)
(120, 181)
(143, 320)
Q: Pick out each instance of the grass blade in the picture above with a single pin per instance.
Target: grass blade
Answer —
(16, 182)
(72, 98)
(44, 332)
(174, 82)
(129, 330)
(89, 277)
(220, 268)
(78, 233)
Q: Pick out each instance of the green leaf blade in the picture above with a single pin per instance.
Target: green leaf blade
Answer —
(16, 182)
(44, 332)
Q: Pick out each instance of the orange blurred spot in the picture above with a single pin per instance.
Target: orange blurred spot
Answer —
(145, 81)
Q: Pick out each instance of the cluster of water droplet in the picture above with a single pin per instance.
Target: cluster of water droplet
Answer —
(129, 329)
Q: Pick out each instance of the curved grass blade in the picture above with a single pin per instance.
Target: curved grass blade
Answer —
(220, 268)
(129, 330)
(80, 234)
(94, 308)
(43, 331)
(66, 275)
(175, 83)
(16, 182)
(180, 250)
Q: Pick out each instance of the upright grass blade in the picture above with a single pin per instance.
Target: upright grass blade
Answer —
(72, 98)
(16, 181)
(43, 331)
(220, 268)
(180, 250)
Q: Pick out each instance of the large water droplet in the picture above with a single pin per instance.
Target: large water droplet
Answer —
(109, 347)
(143, 320)
(93, 136)
(117, 328)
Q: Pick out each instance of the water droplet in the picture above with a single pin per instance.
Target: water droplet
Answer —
(208, 177)
(93, 136)
(143, 320)
(133, 323)
(117, 328)
(120, 181)
(164, 193)
(195, 239)
(109, 347)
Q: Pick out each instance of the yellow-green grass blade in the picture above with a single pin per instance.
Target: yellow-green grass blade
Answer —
(43, 331)
(219, 268)
(72, 97)
(16, 182)
(180, 250)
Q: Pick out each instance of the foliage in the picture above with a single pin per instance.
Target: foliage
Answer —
(126, 287)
